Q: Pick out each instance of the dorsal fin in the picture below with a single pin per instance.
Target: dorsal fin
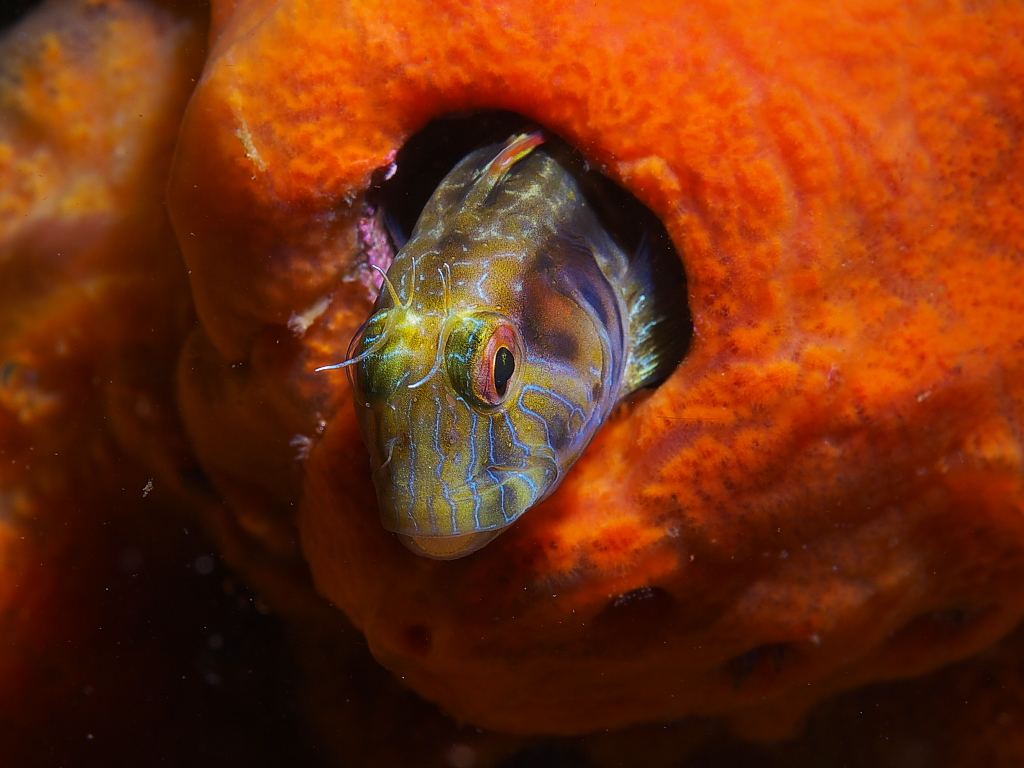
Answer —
(659, 336)
(515, 149)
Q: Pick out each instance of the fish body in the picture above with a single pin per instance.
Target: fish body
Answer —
(510, 325)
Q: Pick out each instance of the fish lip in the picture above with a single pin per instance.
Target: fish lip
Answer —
(468, 543)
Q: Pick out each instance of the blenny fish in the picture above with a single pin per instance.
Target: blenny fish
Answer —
(509, 326)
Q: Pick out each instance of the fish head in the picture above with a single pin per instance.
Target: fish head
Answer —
(457, 453)
(492, 357)
(473, 413)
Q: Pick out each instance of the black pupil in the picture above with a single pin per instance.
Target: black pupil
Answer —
(504, 367)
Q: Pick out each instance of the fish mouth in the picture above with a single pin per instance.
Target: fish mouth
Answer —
(488, 502)
(448, 547)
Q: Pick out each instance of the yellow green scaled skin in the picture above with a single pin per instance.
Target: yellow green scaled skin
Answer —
(499, 345)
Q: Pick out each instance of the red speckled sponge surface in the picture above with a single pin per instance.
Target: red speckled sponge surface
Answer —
(827, 492)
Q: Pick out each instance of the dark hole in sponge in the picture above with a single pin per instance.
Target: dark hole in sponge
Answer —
(428, 156)
(937, 636)
(934, 628)
(639, 617)
(418, 640)
(948, 619)
(765, 658)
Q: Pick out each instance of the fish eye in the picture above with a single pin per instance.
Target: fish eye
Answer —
(481, 358)
(495, 363)
(504, 367)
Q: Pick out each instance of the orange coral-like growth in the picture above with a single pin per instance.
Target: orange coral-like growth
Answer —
(827, 492)
(93, 307)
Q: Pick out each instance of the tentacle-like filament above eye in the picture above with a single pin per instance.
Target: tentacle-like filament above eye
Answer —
(412, 283)
(445, 283)
(446, 287)
(366, 353)
(391, 288)
(435, 366)
(349, 359)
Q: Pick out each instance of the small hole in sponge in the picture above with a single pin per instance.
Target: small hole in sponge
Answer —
(936, 626)
(937, 637)
(764, 659)
(418, 640)
(639, 617)
(946, 620)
